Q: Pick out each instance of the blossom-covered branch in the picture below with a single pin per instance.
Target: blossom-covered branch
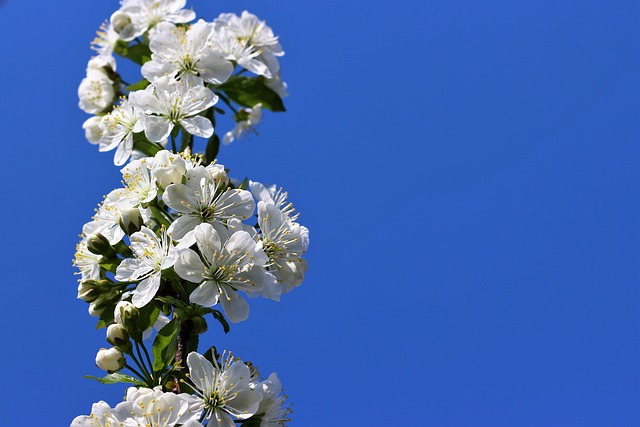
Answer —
(182, 242)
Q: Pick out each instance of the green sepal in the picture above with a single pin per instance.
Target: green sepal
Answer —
(159, 216)
(249, 91)
(244, 184)
(142, 84)
(122, 249)
(106, 317)
(116, 378)
(141, 143)
(110, 264)
(165, 345)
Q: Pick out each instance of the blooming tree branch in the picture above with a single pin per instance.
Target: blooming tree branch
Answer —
(182, 242)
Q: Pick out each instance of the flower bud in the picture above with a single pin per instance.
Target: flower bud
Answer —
(110, 360)
(94, 310)
(99, 245)
(126, 314)
(119, 21)
(92, 130)
(218, 173)
(117, 336)
(87, 291)
(131, 221)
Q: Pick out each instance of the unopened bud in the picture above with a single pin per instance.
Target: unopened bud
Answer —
(99, 245)
(87, 291)
(131, 221)
(117, 335)
(218, 173)
(126, 314)
(119, 21)
(110, 359)
(92, 130)
(95, 310)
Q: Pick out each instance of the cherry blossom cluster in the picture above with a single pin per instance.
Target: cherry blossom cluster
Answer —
(222, 393)
(181, 242)
(177, 220)
(186, 68)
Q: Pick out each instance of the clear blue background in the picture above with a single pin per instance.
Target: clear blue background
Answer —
(468, 171)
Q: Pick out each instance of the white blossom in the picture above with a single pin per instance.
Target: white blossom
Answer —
(141, 187)
(118, 128)
(168, 102)
(101, 416)
(252, 33)
(107, 218)
(223, 390)
(223, 267)
(205, 199)
(243, 127)
(273, 412)
(222, 40)
(273, 195)
(178, 51)
(95, 92)
(135, 17)
(106, 39)
(147, 407)
(169, 168)
(284, 241)
(152, 255)
(87, 262)
(277, 85)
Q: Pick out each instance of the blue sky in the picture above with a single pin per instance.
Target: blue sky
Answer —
(468, 172)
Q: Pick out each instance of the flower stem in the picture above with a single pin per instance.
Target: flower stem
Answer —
(146, 353)
(138, 374)
(147, 377)
(226, 101)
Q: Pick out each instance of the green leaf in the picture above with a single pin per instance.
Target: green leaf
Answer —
(148, 316)
(186, 140)
(220, 318)
(165, 345)
(138, 86)
(211, 152)
(138, 53)
(116, 378)
(173, 301)
(249, 91)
